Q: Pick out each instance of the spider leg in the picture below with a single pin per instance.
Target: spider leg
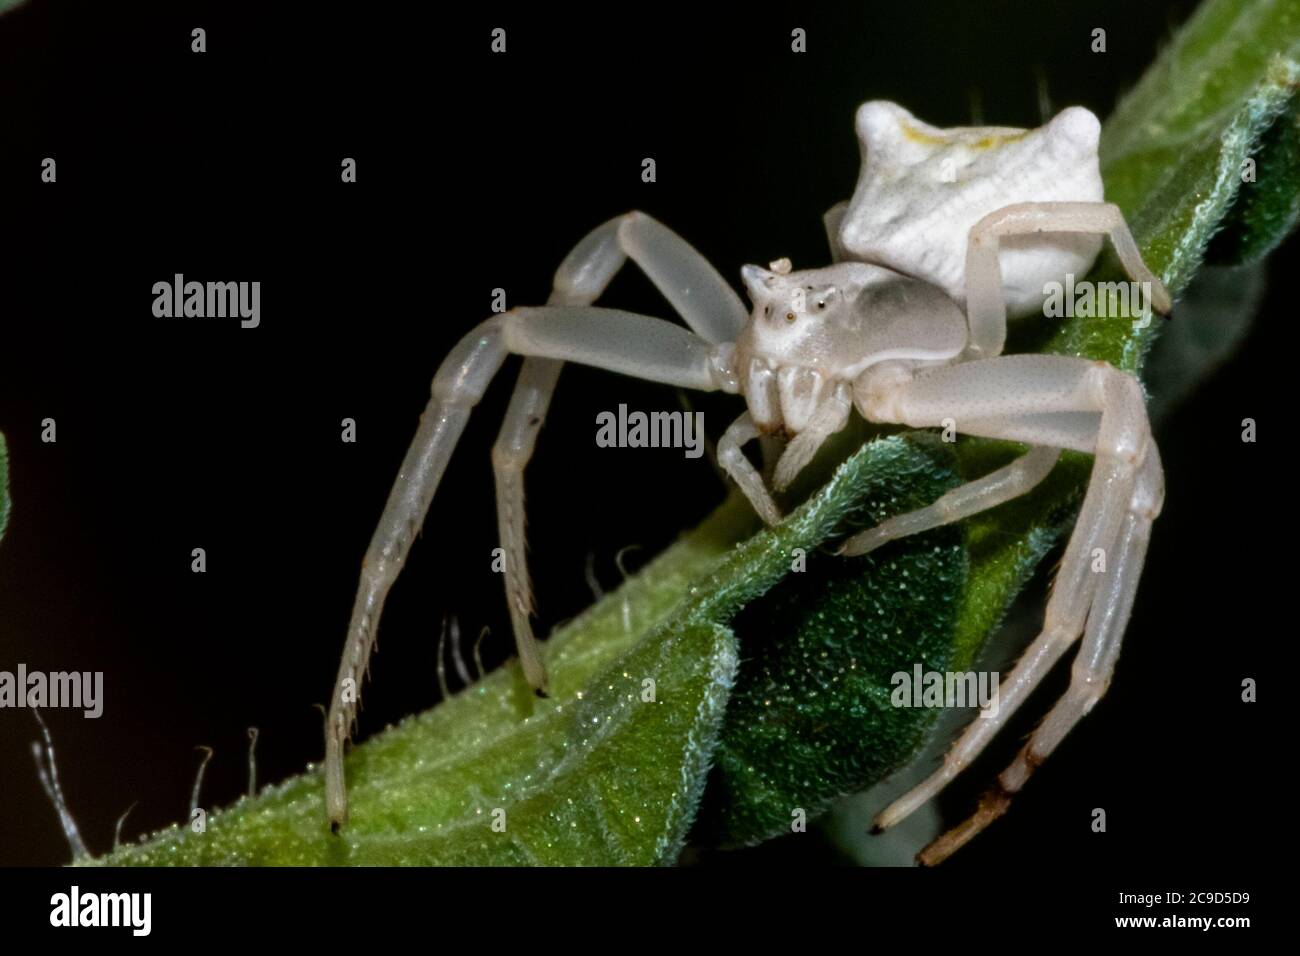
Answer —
(1092, 669)
(771, 445)
(1065, 403)
(692, 286)
(618, 341)
(831, 416)
(995, 488)
(742, 471)
(986, 308)
(513, 448)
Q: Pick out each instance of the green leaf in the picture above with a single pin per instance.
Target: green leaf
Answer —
(594, 774)
(1269, 205)
(807, 719)
(811, 717)
(1174, 151)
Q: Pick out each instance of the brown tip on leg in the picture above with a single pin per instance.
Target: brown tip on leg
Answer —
(992, 805)
(335, 826)
(876, 829)
(539, 681)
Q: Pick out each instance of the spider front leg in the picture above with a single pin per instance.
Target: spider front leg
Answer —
(618, 341)
(831, 416)
(741, 470)
(692, 286)
(986, 308)
(1058, 402)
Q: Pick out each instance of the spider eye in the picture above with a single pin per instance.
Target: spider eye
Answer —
(821, 303)
(789, 316)
(767, 310)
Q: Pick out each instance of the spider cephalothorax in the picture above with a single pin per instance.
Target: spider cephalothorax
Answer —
(813, 329)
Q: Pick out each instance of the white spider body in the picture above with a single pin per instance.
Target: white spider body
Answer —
(824, 327)
(947, 233)
(922, 189)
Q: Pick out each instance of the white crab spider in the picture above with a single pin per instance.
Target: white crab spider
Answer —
(948, 232)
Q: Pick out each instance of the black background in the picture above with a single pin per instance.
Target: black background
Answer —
(479, 171)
